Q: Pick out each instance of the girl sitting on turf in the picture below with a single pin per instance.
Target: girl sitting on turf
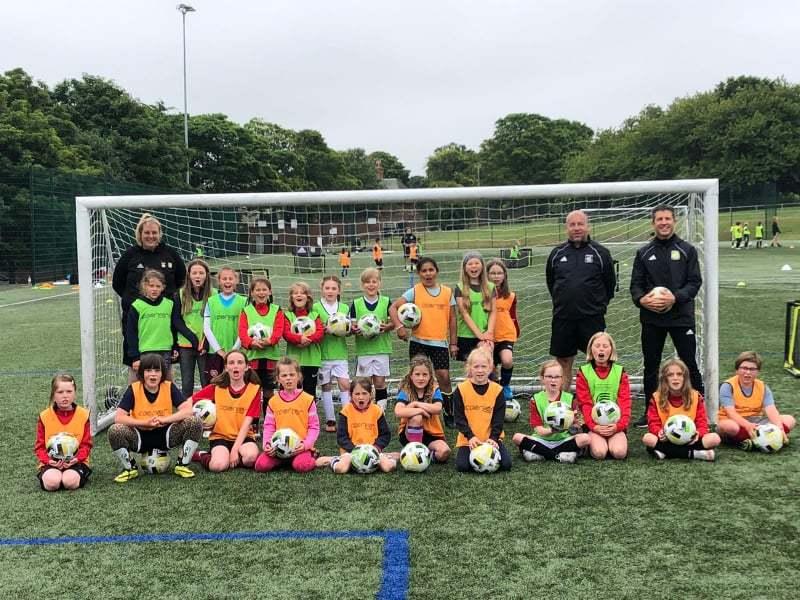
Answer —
(602, 379)
(418, 406)
(547, 443)
(475, 298)
(63, 415)
(506, 326)
(294, 409)
(145, 420)
(436, 332)
(237, 396)
(745, 402)
(221, 321)
(360, 422)
(675, 396)
(305, 348)
(480, 409)
(193, 298)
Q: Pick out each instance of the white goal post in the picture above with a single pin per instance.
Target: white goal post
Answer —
(260, 233)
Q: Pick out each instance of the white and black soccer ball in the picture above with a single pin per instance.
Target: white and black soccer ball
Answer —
(206, 411)
(415, 457)
(680, 430)
(364, 458)
(304, 326)
(284, 441)
(769, 438)
(369, 326)
(409, 314)
(62, 446)
(338, 325)
(484, 458)
(659, 292)
(156, 461)
(559, 416)
(606, 412)
(513, 410)
(259, 331)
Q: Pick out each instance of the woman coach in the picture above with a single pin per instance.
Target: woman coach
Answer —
(149, 252)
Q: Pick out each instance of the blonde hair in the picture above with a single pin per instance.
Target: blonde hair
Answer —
(306, 289)
(187, 293)
(407, 385)
(486, 294)
(144, 220)
(152, 274)
(548, 364)
(477, 353)
(61, 378)
(611, 342)
(370, 273)
(664, 391)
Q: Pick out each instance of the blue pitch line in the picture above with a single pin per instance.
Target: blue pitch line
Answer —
(396, 566)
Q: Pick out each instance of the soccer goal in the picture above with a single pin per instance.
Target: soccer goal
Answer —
(266, 233)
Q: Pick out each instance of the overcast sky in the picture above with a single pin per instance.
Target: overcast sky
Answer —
(410, 75)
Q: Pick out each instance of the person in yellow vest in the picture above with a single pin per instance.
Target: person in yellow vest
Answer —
(436, 332)
(344, 261)
(506, 325)
(418, 406)
(221, 321)
(236, 394)
(192, 301)
(153, 415)
(745, 402)
(603, 379)
(548, 443)
(733, 235)
(738, 233)
(377, 254)
(675, 396)
(746, 235)
(63, 416)
(290, 408)
(477, 311)
(513, 253)
(360, 422)
(480, 409)
(759, 234)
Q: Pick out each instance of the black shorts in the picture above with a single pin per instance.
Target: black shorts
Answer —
(427, 438)
(465, 346)
(83, 470)
(499, 347)
(228, 443)
(569, 336)
(439, 355)
(379, 262)
(153, 439)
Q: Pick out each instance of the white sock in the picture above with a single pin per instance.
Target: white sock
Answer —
(382, 403)
(531, 456)
(567, 457)
(344, 398)
(189, 446)
(703, 454)
(659, 454)
(327, 405)
(124, 457)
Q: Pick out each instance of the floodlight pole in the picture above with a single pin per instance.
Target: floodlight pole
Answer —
(185, 8)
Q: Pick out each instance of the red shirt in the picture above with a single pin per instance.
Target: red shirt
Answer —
(585, 397)
(84, 447)
(654, 424)
(278, 326)
(207, 393)
(293, 338)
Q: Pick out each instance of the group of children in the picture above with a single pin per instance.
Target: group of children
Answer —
(234, 342)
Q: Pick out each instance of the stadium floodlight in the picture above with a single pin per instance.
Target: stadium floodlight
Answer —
(261, 233)
(185, 8)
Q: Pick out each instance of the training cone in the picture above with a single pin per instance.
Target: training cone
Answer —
(786, 268)
(741, 284)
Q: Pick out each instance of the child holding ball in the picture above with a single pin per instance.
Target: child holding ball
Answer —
(193, 298)
(547, 443)
(304, 348)
(603, 379)
(675, 396)
(63, 415)
(479, 408)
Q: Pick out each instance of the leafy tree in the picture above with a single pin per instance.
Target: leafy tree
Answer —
(360, 168)
(453, 165)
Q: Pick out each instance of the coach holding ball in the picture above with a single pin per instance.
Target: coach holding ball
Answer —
(664, 282)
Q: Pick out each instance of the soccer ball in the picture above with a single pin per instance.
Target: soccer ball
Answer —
(512, 410)
(304, 326)
(206, 410)
(484, 458)
(559, 416)
(369, 326)
(409, 314)
(62, 446)
(364, 458)
(338, 325)
(259, 331)
(606, 412)
(769, 437)
(415, 457)
(156, 461)
(284, 441)
(679, 430)
(658, 292)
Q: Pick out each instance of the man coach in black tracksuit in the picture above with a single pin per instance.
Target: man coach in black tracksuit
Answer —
(669, 262)
(581, 280)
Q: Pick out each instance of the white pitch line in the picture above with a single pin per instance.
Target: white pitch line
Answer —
(37, 299)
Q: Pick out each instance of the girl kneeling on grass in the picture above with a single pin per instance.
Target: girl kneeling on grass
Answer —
(63, 415)
(360, 422)
(675, 396)
(294, 409)
(480, 409)
(547, 443)
(602, 379)
(237, 396)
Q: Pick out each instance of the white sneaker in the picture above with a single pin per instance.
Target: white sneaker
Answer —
(567, 457)
(703, 455)
(659, 454)
(531, 456)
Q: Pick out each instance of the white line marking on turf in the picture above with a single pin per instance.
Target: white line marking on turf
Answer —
(37, 299)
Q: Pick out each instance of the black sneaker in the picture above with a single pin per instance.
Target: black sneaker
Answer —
(641, 423)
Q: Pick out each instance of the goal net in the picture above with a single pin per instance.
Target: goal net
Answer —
(298, 236)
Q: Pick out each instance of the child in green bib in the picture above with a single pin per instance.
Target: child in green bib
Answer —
(475, 299)
(221, 321)
(304, 347)
(193, 298)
